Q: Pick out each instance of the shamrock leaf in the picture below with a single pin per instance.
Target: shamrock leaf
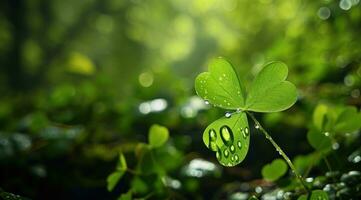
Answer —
(220, 86)
(114, 177)
(348, 120)
(158, 135)
(320, 141)
(274, 170)
(229, 138)
(270, 92)
(315, 195)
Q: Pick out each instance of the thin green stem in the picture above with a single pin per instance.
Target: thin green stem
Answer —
(280, 151)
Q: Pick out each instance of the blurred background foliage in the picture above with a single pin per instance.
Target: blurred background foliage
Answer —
(81, 81)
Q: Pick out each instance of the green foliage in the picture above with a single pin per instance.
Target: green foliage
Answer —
(330, 122)
(269, 92)
(229, 138)
(114, 177)
(158, 135)
(315, 195)
(274, 170)
(126, 196)
(221, 86)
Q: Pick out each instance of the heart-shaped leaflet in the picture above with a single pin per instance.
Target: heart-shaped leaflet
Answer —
(229, 138)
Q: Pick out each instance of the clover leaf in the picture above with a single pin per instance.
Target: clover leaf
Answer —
(229, 138)
(158, 135)
(315, 195)
(274, 170)
(114, 177)
(270, 92)
(221, 87)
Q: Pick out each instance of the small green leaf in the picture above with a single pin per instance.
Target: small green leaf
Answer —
(220, 86)
(348, 120)
(122, 164)
(274, 170)
(126, 196)
(318, 140)
(113, 179)
(229, 138)
(270, 92)
(315, 195)
(319, 116)
(158, 135)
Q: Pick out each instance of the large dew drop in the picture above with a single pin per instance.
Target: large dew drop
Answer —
(226, 135)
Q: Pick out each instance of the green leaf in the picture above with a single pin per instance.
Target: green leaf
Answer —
(319, 116)
(315, 195)
(229, 138)
(126, 196)
(113, 179)
(270, 92)
(158, 135)
(275, 170)
(348, 120)
(318, 140)
(146, 161)
(122, 164)
(220, 86)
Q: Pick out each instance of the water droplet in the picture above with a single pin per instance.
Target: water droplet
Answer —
(212, 139)
(243, 133)
(224, 75)
(206, 102)
(212, 134)
(246, 130)
(232, 148)
(228, 104)
(345, 4)
(236, 158)
(327, 134)
(226, 153)
(219, 154)
(213, 146)
(228, 114)
(256, 126)
(226, 135)
(335, 146)
(232, 158)
(239, 144)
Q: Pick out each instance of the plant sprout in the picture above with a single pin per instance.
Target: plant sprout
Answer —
(229, 136)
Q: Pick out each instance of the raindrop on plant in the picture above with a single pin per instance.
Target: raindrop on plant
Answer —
(228, 114)
(256, 126)
(226, 135)
(226, 153)
(232, 148)
(239, 144)
(206, 102)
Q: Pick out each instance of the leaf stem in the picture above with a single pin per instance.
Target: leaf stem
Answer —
(280, 151)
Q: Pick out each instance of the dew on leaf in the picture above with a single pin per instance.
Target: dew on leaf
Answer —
(226, 153)
(206, 102)
(228, 114)
(232, 148)
(226, 135)
(239, 144)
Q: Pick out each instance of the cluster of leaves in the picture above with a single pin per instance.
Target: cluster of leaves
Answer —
(221, 87)
(149, 168)
(331, 124)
